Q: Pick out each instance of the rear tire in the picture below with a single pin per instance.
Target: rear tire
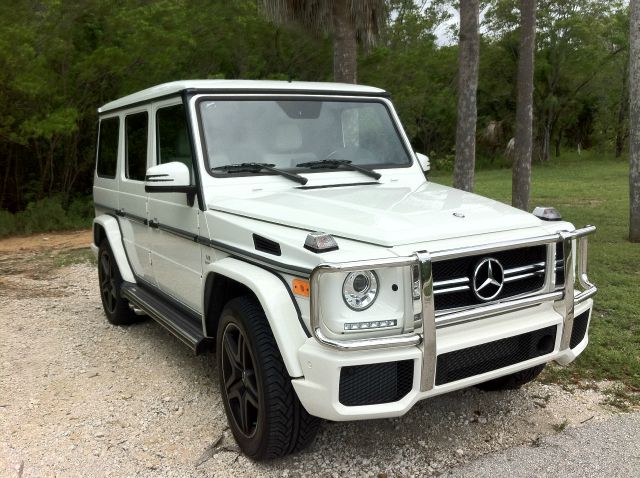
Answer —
(110, 281)
(264, 413)
(513, 381)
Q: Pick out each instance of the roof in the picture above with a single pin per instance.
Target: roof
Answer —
(227, 86)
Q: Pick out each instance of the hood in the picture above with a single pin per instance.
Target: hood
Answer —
(386, 214)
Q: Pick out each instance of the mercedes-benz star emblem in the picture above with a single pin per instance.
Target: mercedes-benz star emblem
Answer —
(488, 279)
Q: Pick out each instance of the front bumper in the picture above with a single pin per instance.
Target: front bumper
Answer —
(323, 358)
(319, 389)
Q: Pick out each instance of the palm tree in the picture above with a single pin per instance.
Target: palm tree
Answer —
(634, 90)
(468, 58)
(521, 182)
(348, 21)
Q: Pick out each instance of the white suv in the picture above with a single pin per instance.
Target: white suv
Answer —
(290, 227)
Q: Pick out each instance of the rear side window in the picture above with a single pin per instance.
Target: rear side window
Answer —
(173, 136)
(108, 147)
(136, 145)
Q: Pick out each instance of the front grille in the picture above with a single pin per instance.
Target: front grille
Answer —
(377, 383)
(580, 324)
(484, 358)
(524, 272)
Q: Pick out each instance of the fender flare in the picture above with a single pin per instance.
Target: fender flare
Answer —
(111, 228)
(276, 303)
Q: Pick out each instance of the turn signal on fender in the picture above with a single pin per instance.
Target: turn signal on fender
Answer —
(300, 287)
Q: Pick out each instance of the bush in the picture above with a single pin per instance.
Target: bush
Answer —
(442, 163)
(47, 215)
(44, 215)
(7, 223)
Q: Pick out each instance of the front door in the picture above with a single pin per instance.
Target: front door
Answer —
(175, 255)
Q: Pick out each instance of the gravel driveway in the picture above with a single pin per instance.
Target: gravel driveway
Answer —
(79, 397)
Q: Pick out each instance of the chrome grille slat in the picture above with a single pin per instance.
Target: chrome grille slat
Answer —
(516, 270)
(450, 290)
(523, 276)
(461, 280)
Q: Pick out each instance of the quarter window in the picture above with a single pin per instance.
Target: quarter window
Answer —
(108, 147)
(173, 136)
(136, 145)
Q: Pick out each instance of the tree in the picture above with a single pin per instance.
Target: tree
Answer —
(347, 20)
(468, 59)
(634, 154)
(521, 182)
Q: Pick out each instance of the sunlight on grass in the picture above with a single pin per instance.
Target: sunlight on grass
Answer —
(590, 189)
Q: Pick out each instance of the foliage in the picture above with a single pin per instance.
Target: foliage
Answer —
(59, 61)
(317, 15)
(591, 188)
(46, 215)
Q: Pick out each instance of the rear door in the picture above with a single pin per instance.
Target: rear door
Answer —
(133, 199)
(105, 181)
(175, 254)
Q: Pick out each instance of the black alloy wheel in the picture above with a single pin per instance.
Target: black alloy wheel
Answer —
(240, 383)
(106, 276)
(263, 411)
(115, 307)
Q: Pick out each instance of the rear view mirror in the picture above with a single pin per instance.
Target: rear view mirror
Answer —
(423, 159)
(171, 177)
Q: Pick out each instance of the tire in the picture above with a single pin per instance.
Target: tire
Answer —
(513, 381)
(264, 413)
(115, 307)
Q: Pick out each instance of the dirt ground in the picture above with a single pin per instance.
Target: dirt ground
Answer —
(81, 398)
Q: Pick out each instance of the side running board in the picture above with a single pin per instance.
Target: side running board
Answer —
(183, 326)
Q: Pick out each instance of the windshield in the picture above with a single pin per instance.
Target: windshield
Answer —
(288, 133)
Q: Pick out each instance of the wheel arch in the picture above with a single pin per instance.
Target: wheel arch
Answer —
(106, 226)
(228, 278)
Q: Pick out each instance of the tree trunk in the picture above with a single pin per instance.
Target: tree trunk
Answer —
(521, 181)
(468, 58)
(622, 110)
(345, 44)
(634, 120)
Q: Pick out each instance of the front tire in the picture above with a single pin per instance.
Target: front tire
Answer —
(115, 307)
(513, 381)
(264, 414)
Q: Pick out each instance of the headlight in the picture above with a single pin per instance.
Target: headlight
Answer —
(360, 289)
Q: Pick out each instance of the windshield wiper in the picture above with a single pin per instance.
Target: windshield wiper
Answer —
(339, 163)
(258, 167)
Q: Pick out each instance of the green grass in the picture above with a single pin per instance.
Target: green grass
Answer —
(591, 189)
(74, 256)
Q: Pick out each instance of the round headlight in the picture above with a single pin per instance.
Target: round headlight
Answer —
(360, 289)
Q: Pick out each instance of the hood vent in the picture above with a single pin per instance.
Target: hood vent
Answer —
(266, 245)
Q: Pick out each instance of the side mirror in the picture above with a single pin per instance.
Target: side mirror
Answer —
(425, 164)
(171, 177)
